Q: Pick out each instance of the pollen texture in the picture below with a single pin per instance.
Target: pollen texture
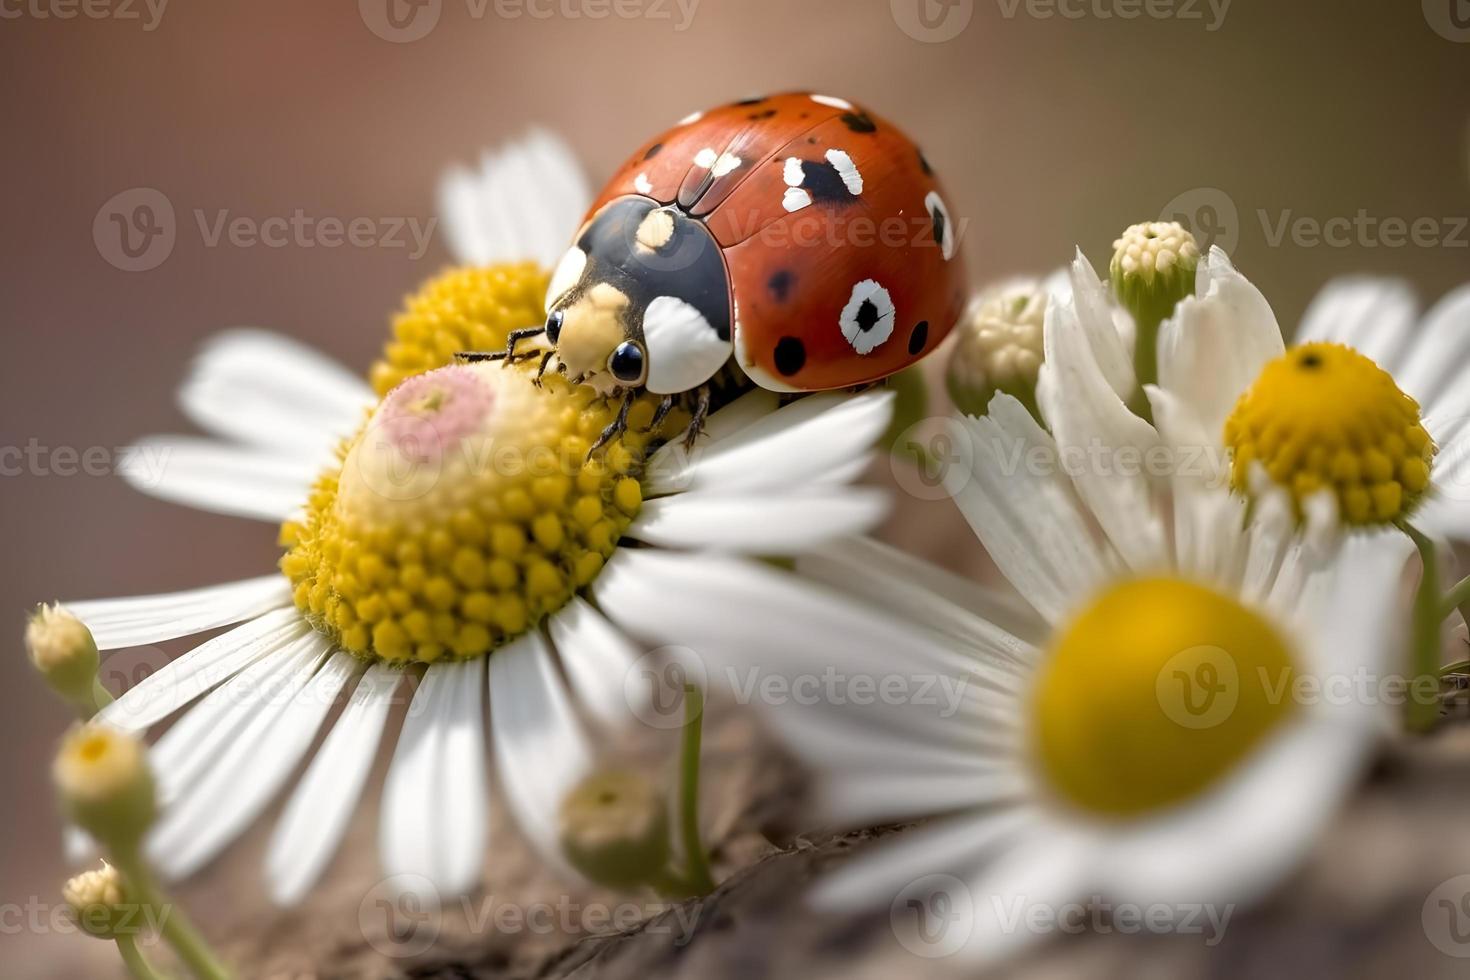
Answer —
(464, 309)
(1324, 417)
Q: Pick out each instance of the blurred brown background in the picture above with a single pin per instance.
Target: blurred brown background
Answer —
(1053, 123)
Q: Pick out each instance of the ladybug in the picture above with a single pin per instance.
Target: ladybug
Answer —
(798, 234)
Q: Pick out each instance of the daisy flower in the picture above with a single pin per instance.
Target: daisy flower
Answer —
(459, 535)
(1170, 714)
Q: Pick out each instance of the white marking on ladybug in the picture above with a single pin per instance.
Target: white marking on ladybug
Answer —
(796, 197)
(691, 119)
(717, 164)
(684, 351)
(655, 230)
(567, 274)
(943, 226)
(642, 184)
(847, 170)
(867, 319)
(833, 101)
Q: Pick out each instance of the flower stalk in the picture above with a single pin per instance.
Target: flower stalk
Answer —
(1427, 622)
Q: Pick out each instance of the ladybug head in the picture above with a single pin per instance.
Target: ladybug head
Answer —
(642, 299)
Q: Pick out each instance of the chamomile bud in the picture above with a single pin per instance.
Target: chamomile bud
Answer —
(615, 829)
(64, 652)
(1153, 269)
(105, 784)
(999, 347)
(98, 902)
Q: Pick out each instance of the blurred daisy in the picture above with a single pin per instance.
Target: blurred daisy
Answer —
(458, 536)
(1141, 727)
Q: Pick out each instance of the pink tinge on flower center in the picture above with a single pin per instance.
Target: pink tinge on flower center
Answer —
(430, 413)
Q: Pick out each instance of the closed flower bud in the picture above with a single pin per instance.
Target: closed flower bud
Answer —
(999, 347)
(98, 902)
(105, 784)
(63, 650)
(615, 829)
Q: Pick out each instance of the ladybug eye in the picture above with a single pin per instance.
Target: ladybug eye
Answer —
(626, 362)
(553, 326)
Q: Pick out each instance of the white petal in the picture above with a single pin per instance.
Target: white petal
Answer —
(434, 821)
(216, 810)
(138, 620)
(238, 481)
(191, 747)
(541, 749)
(1373, 316)
(270, 391)
(1024, 512)
(597, 658)
(1046, 868)
(1259, 824)
(972, 615)
(1101, 441)
(1098, 317)
(211, 663)
(311, 828)
(956, 846)
(1439, 354)
(795, 444)
(525, 201)
(1214, 346)
(776, 524)
(1208, 518)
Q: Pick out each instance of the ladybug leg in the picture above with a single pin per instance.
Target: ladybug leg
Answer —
(696, 423)
(661, 413)
(545, 360)
(508, 355)
(617, 426)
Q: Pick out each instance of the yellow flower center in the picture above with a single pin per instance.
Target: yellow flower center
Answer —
(1158, 689)
(1324, 417)
(468, 309)
(466, 509)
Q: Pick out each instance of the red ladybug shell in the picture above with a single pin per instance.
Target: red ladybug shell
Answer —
(842, 259)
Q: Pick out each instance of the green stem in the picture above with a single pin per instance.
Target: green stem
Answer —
(1458, 597)
(101, 698)
(1145, 363)
(1428, 618)
(696, 864)
(1459, 667)
(172, 923)
(133, 957)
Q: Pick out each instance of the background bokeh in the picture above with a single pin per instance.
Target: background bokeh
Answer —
(1054, 124)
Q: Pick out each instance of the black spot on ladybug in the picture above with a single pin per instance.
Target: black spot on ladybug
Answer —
(757, 100)
(653, 151)
(790, 356)
(867, 316)
(763, 114)
(919, 337)
(924, 164)
(941, 226)
(822, 181)
(859, 122)
(780, 284)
